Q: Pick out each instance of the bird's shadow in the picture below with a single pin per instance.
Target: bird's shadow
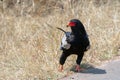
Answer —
(89, 69)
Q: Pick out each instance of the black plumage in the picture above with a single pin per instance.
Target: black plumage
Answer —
(78, 45)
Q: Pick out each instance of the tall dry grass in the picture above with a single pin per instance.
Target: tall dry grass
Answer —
(29, 41)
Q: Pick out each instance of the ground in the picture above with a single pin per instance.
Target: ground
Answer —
(108, 71)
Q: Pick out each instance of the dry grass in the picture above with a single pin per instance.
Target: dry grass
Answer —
(29, 44)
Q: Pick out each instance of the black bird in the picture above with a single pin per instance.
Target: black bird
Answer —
(78, 45)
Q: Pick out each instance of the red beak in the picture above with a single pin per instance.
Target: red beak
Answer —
(71, 24)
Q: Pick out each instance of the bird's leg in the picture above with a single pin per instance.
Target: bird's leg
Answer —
(77, 68)
(60, 68)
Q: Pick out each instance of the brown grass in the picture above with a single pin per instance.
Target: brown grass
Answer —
(29, 40)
